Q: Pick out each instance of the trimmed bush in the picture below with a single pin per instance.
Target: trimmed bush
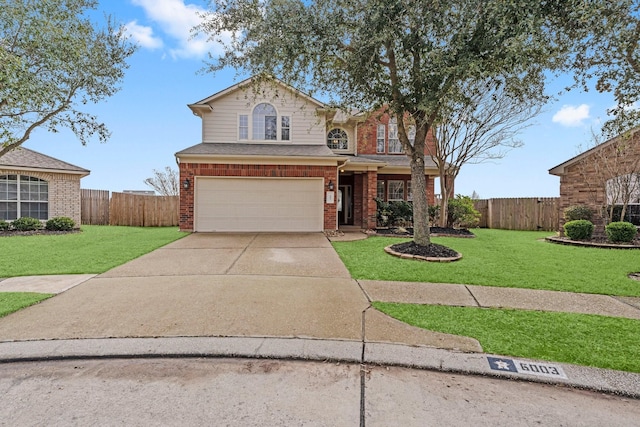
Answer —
(60, 223)
(4, 225)
(26, 224)
(461, 213)
(621, 232)
(573, 213)
(580, 229)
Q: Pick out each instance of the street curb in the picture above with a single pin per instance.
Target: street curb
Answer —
(374, 353)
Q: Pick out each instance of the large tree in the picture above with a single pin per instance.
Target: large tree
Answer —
(481, 128)
(54, 60)
(606, 54)
(413, 56)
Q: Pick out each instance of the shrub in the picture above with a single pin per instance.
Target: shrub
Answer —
(394, 212)
(26, 224)
(621, 232)
(461, 212)
(573, 213)
(4, 225)
(434, 213)
(579, 229)
(60, 223)
(401, 212)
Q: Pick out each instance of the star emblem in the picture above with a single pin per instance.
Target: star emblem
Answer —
(501, 364)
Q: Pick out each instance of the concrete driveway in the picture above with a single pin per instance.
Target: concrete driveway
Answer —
(208, 285)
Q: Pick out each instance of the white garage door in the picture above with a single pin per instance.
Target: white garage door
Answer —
(259, 204)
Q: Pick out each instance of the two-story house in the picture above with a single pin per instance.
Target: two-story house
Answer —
(275, 159)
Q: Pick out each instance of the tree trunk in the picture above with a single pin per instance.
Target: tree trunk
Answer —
(421, 234)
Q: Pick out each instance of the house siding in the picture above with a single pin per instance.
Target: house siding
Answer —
(221, 124)
(580, 185)
(192, 170)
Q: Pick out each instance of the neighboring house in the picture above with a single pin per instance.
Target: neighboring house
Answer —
(275, 159)
(604, 175)
(38, 186)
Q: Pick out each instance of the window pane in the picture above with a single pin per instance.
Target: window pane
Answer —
(337, 139)
(270, 128)
(264, 122)
(409, 191)
(380, 190)
(394, 142)
(286, 128)
(380, 139)
(396, 190)
(8, 211)
(8, 187)
(411, 133)
(243, 127)
(34, 210)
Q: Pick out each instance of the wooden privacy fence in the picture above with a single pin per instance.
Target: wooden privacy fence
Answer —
(94, 207)
(530, 213)
(130, 209)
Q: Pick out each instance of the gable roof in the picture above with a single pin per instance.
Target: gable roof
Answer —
(25, 159)
(561, 168)
(246, 83)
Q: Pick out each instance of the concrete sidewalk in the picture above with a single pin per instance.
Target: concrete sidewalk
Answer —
(289, 295)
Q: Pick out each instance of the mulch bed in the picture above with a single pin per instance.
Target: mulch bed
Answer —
(430, 251)
(9, 233)
(434, 231)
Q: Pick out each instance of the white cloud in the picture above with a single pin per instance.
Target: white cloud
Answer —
(572, 116)
(143, 35)
(176, 19)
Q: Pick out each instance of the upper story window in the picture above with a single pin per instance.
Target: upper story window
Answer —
(394, 142)
(243, 127)
(22, 195)
(337, 139)
(285, 128)
(411, 134)
(265, 122)
(380, 138)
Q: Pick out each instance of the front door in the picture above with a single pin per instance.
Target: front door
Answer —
(345, 205)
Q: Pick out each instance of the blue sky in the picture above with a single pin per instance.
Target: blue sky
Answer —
(150, 121)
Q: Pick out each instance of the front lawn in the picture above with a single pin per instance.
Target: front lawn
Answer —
(14, 301)
(590, 340)
(94, 250)
(518, 259)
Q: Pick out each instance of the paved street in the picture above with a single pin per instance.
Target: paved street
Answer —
(285, 393)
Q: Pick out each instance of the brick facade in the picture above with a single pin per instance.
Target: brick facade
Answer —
(582, 180)
(64, 192)
(192, 170)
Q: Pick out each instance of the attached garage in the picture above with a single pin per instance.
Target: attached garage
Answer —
(248, 204)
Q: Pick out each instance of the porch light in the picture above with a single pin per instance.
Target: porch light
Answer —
(331, 185)
(186, 184)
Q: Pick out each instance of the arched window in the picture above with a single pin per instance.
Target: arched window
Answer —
(265, 122)
(337, 139)
(22, 195)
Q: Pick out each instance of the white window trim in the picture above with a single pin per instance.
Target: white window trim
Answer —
(381, 127)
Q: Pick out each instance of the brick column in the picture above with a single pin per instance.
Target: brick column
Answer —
(369, 203)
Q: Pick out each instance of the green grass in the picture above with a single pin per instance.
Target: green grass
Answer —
(518, 259)
(14, 301)
(94, 250)
(583, 339)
